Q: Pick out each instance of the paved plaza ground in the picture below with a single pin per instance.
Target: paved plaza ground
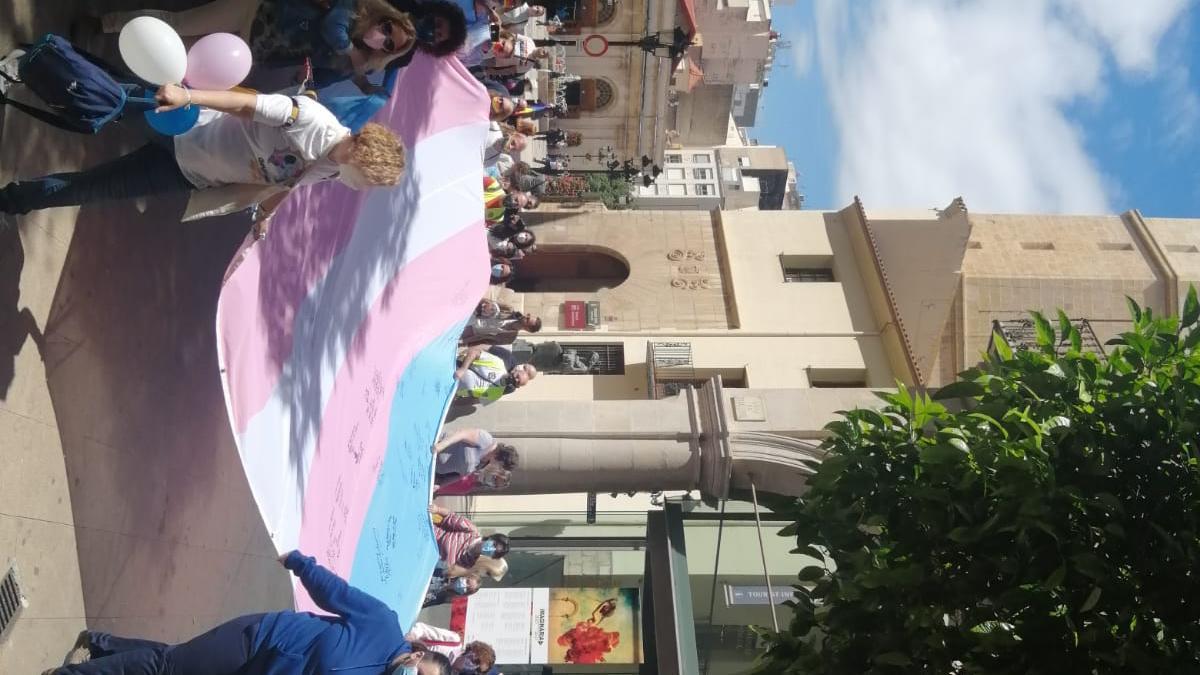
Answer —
(122, 501)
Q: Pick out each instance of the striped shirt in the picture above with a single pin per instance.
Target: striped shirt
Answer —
(455, 536)
(441, 640)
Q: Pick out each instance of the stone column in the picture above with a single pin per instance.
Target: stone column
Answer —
(597, 446)
(709, 439)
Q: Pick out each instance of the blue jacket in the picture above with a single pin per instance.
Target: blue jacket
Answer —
(326, 32)
(362, 639)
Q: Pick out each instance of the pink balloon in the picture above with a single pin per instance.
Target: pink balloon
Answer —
(218, 61)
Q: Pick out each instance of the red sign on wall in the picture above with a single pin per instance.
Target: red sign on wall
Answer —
(574, 315)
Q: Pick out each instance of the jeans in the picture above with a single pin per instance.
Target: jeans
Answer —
(149, 170)
(224, 650)
(216, 16)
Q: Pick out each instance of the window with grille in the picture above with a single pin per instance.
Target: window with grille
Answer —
(702, 158)
(611, 357)
(800, 275)
(674, 159)
(703, 189)
(608, 9)
(806, 268)
(588, 94)
(604, 94)
(702, 174)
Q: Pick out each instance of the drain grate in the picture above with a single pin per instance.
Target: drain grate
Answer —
(11, 601)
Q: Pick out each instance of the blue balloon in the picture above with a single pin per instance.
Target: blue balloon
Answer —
(173, 122)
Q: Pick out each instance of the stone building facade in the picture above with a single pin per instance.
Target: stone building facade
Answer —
(754, 308)
(731, 339)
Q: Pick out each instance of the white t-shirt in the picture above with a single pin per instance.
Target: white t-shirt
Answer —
(516, 19)
(523, 46)
(478, 45)
(493, 150)
(462, 457)
(225, 149)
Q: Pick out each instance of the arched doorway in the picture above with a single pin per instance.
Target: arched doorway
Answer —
(589, 94)
(555, 269)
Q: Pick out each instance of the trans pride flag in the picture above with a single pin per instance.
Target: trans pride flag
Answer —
(336, 339)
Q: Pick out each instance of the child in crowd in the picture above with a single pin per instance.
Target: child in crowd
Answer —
(459, 543)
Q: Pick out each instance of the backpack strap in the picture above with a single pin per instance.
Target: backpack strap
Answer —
(42, 115)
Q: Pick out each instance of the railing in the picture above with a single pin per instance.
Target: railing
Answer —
(1021, 334)
(669, 368)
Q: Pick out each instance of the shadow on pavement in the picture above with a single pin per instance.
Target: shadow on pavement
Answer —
(169, 539)
(16, 323)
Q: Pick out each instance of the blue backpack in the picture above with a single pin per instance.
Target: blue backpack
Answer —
(75, 85)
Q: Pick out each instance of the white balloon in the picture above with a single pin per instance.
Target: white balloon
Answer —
(153, 50)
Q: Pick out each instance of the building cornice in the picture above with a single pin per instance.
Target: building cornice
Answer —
(893, 329)
(1158, 258)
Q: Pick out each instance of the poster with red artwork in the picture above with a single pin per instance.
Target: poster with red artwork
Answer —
(554, 625)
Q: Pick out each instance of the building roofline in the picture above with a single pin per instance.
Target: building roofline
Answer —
(911, 373)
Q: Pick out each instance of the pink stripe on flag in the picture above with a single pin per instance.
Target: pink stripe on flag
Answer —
(311, 229)
(435, 287)
(441, 88)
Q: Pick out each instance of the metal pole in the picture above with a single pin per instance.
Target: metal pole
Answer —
(762, 552)
(712, 604)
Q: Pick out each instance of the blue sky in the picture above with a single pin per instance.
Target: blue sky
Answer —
(1060, 106)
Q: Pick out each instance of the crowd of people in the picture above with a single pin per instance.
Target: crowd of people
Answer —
(248, 150)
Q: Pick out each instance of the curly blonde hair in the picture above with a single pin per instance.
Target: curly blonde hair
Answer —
(379, 154)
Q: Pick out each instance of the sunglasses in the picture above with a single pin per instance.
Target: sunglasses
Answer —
(389, 45)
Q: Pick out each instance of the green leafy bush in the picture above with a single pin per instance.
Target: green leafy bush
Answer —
(1043, 520)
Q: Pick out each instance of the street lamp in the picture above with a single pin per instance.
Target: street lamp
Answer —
(675, 48)
(651, 43)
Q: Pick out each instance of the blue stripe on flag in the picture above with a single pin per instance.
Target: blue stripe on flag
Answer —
(396, 549)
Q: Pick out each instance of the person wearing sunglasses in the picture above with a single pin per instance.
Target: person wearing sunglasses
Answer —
(341, 38)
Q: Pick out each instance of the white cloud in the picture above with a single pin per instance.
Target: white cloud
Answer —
(802, 50)
(1131, 28)
(939, 98)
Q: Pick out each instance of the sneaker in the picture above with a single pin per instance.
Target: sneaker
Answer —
(81, 652)
(8, 69)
